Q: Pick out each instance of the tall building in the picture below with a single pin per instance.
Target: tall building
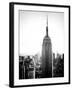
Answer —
(46, 65)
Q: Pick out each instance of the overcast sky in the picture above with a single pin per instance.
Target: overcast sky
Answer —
(32, 29)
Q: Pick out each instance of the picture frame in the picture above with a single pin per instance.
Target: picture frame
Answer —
(28, 64)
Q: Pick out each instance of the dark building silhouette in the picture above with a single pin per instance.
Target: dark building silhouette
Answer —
(58, 64)
(21, 68)
(26, 67)
(46, 65)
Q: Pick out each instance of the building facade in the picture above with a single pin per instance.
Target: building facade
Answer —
(46, 65)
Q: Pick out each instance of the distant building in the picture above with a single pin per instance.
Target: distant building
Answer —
(46, 65)
(53, 56)
(58, 66)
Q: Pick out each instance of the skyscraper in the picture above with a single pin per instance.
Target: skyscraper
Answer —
(46, 55)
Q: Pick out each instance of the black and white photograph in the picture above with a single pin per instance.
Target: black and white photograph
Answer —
(41, 44)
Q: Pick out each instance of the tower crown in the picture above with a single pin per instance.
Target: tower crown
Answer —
(47, 38)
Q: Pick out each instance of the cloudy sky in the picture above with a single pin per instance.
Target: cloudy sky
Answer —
(32, 29)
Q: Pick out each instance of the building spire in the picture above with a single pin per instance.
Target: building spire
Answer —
(47, 26)
(47, 21)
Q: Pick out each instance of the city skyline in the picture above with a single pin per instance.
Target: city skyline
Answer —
(33, 30)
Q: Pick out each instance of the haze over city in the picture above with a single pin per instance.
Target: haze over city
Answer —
(33, 30)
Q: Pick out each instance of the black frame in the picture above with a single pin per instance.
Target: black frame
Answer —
(11, 42)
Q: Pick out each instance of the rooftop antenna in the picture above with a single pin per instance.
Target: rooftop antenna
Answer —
(47, 20)
(47, 25)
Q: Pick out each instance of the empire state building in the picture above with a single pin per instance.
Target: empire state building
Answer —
(46, 64)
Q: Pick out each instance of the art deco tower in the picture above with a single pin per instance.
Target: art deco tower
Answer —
(46, 55)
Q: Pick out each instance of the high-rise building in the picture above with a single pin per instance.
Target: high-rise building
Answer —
(46, 65)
